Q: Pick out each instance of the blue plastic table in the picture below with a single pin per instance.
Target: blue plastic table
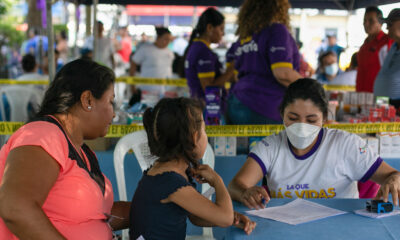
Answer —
(347, 226)
(227, 167)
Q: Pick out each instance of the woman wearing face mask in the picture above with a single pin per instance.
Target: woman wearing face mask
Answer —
(328, 67)
(308, 161)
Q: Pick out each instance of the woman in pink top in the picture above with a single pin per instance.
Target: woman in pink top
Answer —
(51, 186)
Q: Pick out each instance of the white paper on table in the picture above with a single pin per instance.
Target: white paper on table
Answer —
(297, 212)
(365, 213)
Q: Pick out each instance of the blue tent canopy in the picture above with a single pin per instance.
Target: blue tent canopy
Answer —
(320, 4)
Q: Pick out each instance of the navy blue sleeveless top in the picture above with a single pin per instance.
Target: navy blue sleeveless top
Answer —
(155, 220)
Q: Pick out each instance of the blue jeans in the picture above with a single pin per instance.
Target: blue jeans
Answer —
(240, 114)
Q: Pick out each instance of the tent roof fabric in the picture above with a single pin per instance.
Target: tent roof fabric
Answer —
(320, 4)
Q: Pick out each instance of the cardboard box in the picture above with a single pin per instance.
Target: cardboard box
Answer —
(353, 98)
(373, 142)
(369, 98)
(219, 145)
(230, 149)
(396, 143)
(385, 144)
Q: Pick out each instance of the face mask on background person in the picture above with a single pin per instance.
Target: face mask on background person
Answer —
(332, 69)
(301, 135)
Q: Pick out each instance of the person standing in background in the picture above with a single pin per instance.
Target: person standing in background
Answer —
(105, 49)
(62, 46)
(267, 60)
(202, 67)
(387, 82)
(333, 46)
(155, 60)
(125, 44)
(373, 51)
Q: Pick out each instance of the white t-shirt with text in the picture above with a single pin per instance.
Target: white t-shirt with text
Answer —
(331, 169)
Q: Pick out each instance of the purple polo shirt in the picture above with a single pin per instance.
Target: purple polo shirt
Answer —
(230, 54)
(200, 62)
(255, 58)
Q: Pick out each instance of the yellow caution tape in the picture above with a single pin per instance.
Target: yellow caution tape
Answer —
(7, 128)
(339, 88)
(122, 130)
(179, 82)
(13, 81)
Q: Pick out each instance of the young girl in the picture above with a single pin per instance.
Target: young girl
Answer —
(165, 195)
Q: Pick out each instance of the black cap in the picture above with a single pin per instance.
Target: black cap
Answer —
(394, 15)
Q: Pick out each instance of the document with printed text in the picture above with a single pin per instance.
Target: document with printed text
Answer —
(296, 212)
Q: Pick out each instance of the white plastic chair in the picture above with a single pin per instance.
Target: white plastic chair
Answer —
(137, 141)
(18, 98)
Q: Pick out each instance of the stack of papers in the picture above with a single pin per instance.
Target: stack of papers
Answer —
(297, 212)
(365, 213)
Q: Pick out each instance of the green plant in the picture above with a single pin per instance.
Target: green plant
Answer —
(10, 36)
(60, 27)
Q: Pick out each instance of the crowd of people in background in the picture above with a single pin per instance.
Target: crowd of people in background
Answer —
(167, 55)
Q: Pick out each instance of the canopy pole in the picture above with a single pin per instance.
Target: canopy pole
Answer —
(50, 37)
(88, 20)
(95, 29)
(76, 50)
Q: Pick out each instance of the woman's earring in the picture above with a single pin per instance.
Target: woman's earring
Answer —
(89, 107)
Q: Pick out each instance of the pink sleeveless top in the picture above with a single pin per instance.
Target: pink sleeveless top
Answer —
(75, 205)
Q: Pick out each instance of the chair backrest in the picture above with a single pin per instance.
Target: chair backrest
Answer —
(18, 98)
(137, 141)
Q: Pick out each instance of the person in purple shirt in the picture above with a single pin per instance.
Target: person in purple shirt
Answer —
(202, 67)
(267, 60)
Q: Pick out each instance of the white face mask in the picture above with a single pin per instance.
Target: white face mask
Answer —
(332, 69)
(301, 135)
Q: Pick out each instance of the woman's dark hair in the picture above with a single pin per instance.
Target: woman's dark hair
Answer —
(254, 15)
(209, 16)
(71, 81)
(305, 89)
(170, 127)
(161, 31)
(28, 63)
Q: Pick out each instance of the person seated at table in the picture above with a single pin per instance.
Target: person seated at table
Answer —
(349, 76)
(30, 68)
(308, 161)
(51, 183)
(166, 195)
(328, 68)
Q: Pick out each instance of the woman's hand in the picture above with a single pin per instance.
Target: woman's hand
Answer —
(390, 185)
(255, 197)
(205, 174)
(243, 222)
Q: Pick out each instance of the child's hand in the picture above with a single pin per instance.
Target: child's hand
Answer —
(243, 222)
(204, 174)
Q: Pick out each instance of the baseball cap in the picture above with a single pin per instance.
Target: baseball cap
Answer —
(394, 15)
